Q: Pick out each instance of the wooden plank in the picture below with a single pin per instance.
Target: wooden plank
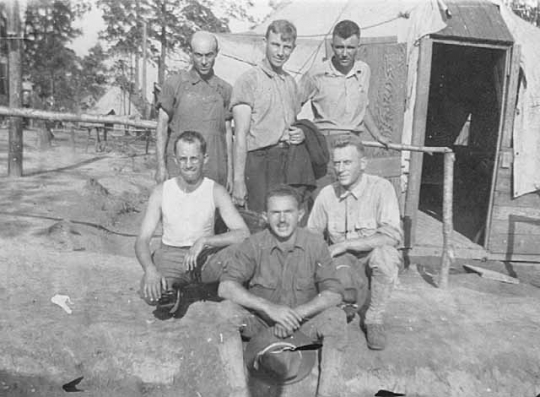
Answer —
(524, 244)
(491, 274)
(511, 100)
(389, 167)
(469, 43)
(418, 137)
(505, 227)
(492, 187)
(506, 212)
(532, 258)
(504, 181)
(505, 199)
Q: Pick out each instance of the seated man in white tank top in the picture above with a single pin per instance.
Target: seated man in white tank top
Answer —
(186, 206)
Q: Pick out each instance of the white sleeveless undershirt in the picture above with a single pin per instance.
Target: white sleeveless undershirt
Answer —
(187, 216)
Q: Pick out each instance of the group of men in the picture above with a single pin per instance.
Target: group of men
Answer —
(286, 278)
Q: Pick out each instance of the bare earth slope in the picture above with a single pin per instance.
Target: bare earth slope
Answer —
(72, 235)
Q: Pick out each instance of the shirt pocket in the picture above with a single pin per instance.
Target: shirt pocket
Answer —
(336, 227)
(365, 227)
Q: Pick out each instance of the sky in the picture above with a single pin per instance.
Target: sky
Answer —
(92, 24)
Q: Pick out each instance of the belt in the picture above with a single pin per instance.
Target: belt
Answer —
(331, 132)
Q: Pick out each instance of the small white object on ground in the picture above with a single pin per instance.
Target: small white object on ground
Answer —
(62, 301)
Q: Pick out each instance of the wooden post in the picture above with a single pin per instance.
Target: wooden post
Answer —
(145, 57)
(15, 157)
(419, 132)
(448, 224)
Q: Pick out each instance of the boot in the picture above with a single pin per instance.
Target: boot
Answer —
(380, 295)
(330, 379)
(232, 359)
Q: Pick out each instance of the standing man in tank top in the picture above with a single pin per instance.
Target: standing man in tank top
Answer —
(186, 206)
(196, 100)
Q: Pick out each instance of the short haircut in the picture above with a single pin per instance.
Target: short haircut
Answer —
(285, 28)
(191, 137)
(346, 29)
(350, 140)
(282, 191)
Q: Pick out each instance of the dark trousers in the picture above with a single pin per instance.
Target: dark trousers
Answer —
(265, 169)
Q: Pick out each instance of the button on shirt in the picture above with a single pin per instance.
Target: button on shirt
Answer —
(338, 101)
(369, 208)
(273, 99)
(291, 277)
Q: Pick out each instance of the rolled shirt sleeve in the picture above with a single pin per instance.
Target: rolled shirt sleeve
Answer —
(389, 223)
(325, 272)
(243, 92)
(240, 267)
(167, 97)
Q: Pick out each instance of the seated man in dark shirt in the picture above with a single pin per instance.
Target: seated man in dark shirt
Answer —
(284, 278)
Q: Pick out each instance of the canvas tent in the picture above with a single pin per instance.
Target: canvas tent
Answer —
(428, 45)
(117, 100)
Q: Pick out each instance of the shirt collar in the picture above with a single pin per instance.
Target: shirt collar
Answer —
(195, 77)
(331, 69)
(356, 191)
(267, 68)
(272, 242)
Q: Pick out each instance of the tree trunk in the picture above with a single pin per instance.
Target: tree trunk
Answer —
(163, 40)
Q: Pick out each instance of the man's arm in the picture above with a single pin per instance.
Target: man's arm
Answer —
(362, 244)
(161, 141)
(238, 230)
(242, 122)
(229, 142)
(280, 314)
(373, 129)
(153, 282)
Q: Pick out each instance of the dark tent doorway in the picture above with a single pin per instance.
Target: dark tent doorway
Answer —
(464, 113)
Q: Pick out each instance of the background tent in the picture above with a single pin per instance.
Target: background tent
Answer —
(118, 100)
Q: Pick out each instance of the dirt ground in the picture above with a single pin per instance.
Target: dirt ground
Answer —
(68, 228)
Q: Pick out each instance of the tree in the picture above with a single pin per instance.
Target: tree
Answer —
(48, 61)
(170, 23)
(93, 72)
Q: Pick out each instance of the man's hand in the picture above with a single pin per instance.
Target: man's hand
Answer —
(190, 261)
(296, 136)
(161, 174)
(281, 332)
(239, 193)
(337, 249)
(285, 316)
(153, 283)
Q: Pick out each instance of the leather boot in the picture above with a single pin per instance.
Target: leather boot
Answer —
(380, 295)
(330, 379)
(232, 359)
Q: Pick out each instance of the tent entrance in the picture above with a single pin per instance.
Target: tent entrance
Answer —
(464, 113)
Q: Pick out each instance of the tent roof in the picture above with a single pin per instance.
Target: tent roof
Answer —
(118, 100)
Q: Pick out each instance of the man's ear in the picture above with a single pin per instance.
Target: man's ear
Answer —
(301, 213)
(205, 160)
(264, 216)
(363, 163)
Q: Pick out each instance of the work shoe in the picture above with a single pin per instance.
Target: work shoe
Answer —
(168, 304)
(376, 337)
(350, 310)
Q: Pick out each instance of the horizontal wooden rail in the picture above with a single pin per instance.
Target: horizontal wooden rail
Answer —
(85, 118)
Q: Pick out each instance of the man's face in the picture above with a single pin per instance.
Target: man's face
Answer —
(190, 160)
(283, 215)
(345, 50)
(349, 165)
(203, 55)
(278, 50)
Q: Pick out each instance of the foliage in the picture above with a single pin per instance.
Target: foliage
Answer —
(57, 73)
(170, 23)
